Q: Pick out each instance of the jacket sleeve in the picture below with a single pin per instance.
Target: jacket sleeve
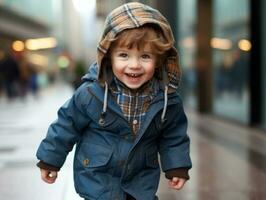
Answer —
(179, 172)
(43, 165)
(66, 130)
(174, 143)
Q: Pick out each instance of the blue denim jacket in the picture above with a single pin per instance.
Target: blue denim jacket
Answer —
(108, 162)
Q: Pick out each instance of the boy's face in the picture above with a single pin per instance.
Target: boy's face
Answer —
(133, 67)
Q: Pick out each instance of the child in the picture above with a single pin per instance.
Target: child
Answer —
(126, 111)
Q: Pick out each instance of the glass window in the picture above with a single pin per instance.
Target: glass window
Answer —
(187, 49)
(231, 49)
(263, 87)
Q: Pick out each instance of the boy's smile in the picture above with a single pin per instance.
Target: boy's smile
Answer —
(133, 67)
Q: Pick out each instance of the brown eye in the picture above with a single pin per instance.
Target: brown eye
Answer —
(145, 56)
(122, 55)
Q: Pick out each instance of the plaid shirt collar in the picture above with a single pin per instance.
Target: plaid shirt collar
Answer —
(134, 104)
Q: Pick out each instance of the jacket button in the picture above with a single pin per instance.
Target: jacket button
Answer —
(101, 121)
(86, 162)
(135, 122)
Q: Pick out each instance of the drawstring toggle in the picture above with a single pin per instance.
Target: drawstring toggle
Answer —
(102, 119)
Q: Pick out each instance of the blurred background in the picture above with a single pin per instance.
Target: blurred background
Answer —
(46, 47)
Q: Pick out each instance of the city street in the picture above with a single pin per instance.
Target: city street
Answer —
(213, 51)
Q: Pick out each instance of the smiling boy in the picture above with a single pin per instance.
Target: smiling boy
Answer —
(126, 112)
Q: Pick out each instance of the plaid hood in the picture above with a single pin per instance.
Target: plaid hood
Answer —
(133, 15)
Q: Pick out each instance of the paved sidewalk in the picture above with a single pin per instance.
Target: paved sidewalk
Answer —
(23, 123)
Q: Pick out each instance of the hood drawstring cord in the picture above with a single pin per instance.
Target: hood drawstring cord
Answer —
(102, 117)
(105, 97)
(165, 104)
(165, 82)
(102, 120)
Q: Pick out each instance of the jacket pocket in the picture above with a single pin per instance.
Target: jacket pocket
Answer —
(108, 120)
(152, 159)
(92, 155)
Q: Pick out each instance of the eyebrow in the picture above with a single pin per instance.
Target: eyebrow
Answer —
(126, 49)
(121, 49)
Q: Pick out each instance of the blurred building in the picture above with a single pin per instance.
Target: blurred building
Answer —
(27, 34)
(45, 34)
(27, 40)
(222, 50)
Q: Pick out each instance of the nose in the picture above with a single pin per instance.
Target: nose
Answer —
(134, 63)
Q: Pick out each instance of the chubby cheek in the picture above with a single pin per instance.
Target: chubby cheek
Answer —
(149, 71)
(117, 68)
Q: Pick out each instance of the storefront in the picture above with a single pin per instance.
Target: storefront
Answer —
(186, 45)
(230, 57)
(222, 50)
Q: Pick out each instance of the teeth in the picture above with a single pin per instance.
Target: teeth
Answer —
(133, 75)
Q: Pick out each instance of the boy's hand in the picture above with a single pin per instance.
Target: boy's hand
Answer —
(48, 176)
(177, 183)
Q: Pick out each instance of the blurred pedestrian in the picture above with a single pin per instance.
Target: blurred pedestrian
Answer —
(24, 77)
(126, 111)
(239, 73)
(33, 79)
(10, 75)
